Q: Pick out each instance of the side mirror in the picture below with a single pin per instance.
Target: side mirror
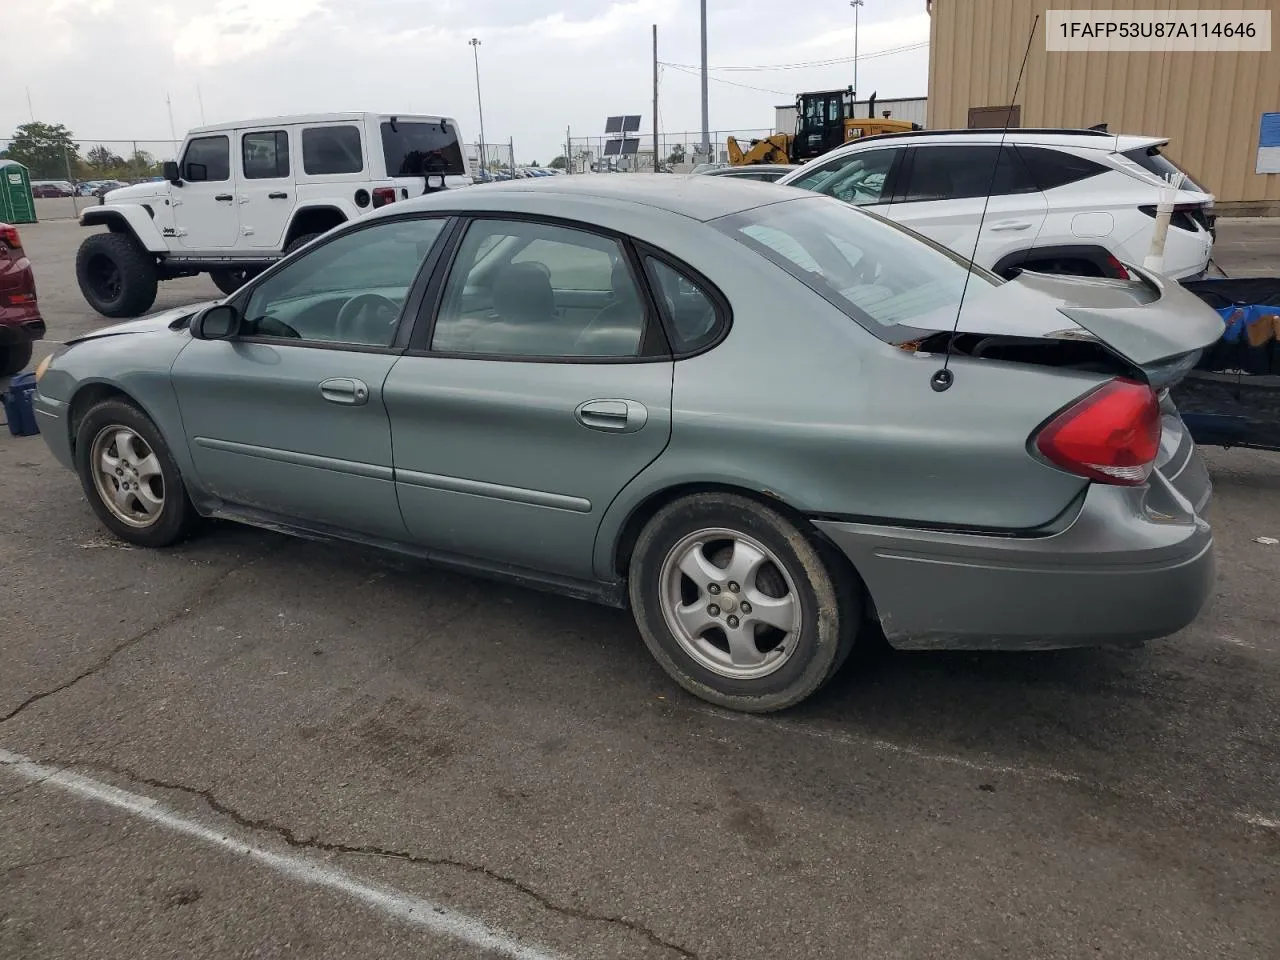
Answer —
(219, 322)
(197, 172)
(170, 171)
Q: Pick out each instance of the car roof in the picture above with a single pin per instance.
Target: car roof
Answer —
(690, 195)
(301, 118)
(748, 168)
(1087, 139)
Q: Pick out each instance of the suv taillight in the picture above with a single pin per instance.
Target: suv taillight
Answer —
(383, 195)
(9, 237)
(1111, 436)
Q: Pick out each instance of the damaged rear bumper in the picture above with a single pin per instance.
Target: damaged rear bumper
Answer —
(1133, 564)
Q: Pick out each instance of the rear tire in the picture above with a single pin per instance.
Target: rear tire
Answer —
(117, 277)
(130, 478)
(14, 358)
(762, 623)
(229, 281)
(301, 241)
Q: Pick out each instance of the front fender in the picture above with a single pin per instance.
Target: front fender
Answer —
(127, 218)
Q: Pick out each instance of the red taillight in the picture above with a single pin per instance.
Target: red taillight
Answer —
(383, 195)
(9, 237)
(1116, 269)
(1111, 436)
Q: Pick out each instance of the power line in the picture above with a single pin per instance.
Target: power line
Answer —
(808, 64)
(695, 72)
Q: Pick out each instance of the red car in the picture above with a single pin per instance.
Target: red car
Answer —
(20, 320)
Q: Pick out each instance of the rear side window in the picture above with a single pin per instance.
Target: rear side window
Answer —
(693, 321)
(328, 150)
(208, 159)
(1151, 159)
(956, 172)
(266, 154)
(1052, 168)
(414, 149)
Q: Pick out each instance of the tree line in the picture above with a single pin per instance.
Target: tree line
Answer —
(49, 152)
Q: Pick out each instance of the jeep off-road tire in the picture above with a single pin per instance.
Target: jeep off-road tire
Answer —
(14, 358)
(713, 575)
(229, 281)
(130, 478)
(301, 241)
(117, 277)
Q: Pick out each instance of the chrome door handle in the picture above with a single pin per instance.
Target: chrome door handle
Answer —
(612, 416)
(224, 196)
(352, 393)
(1011, 225)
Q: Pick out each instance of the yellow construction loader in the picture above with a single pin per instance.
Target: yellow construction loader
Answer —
(823, 121)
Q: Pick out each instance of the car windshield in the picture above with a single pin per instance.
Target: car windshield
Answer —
(879, 273)
(412, 149)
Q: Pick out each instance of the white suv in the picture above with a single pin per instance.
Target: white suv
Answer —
(1063, 201)
(242, 195)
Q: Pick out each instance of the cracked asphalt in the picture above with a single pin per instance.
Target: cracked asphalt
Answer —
(517, 758)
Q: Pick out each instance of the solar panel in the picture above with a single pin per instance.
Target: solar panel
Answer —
(630, 145)
(612, 148)
(614, 125)
(630, 123)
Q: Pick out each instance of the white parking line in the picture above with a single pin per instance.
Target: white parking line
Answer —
(387, 900)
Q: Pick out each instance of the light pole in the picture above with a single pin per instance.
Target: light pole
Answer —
(475, 50)
(706, 125)
(855, 4)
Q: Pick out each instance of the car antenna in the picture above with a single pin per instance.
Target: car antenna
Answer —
(943, 377)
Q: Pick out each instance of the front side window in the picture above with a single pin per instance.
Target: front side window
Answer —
(524, 289)
(207, 159)
(880, 274)
(265, 154)
(330, 150)
(350, 290)
(857, 178)
(957, 172)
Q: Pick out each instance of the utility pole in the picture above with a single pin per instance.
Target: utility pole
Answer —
(656, 158)
(706, 122)
(200, 98)
(855, 4)
(568, 150)
(173, 132)
(475, 50)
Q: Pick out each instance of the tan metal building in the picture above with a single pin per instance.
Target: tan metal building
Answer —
(1209, 105)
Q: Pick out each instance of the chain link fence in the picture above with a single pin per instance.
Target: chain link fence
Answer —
(491, 161)
(677, 152)
(67, 177)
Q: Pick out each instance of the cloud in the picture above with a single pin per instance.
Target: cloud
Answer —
(233, 29)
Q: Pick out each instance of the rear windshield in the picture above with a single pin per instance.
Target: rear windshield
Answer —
(1152, 160)
(879, 273)
(412, 149)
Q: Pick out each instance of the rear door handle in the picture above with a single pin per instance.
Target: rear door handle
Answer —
(1011, 225)
(345, 390)
(224, 196)
(278, 195)
(612, 416)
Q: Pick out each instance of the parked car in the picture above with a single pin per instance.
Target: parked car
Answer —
(51, 189)
(244, 194)
(20, 320)
(766, 172)
(711, 405)
(1062, 201)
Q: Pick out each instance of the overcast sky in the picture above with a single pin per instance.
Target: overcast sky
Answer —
(103, 67)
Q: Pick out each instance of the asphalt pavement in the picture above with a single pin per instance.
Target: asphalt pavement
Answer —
(254, 746)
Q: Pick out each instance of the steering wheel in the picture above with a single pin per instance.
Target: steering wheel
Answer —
(366, 318)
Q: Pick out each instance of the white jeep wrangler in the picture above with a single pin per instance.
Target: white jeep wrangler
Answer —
(242, 195)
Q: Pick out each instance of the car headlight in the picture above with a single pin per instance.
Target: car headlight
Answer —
(42, 366)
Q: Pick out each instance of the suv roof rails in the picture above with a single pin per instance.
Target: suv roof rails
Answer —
(988, 131)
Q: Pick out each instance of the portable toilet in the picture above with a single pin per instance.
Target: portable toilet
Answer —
(16, 203)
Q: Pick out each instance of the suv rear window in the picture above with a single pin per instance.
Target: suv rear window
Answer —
(1151, 159)
(331, 150)
(409, 147)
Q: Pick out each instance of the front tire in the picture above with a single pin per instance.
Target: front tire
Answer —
(130, 477)
(14, 358)
(117, 277)
(737, 603)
